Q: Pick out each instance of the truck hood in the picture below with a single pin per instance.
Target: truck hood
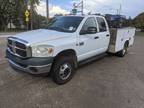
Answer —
(41, 35)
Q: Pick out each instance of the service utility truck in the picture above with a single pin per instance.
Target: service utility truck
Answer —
(64, 43)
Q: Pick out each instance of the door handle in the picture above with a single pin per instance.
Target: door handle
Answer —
(96, 37)
(81, 43)
(107, 35)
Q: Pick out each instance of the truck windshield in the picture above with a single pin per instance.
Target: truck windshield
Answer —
(65, 23)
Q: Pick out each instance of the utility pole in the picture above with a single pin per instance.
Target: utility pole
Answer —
(47, 10)
(120, 9)
(82, 7)
(77, 6)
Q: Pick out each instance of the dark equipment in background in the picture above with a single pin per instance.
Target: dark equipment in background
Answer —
(116, 21)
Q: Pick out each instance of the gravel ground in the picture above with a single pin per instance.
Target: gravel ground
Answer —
(110, 82)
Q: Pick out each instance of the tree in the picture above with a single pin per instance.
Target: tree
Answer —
(5, 14)
(139, 21)
(32, 4)
(13, 11)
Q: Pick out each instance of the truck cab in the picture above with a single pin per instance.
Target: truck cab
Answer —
(59, 47)
(93, 37)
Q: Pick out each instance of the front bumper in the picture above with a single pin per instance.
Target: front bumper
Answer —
(31, 65)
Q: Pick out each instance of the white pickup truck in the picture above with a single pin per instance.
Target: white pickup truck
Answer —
(67, 41)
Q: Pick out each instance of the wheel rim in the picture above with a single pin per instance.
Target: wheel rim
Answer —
(65, 71)
(124, 51)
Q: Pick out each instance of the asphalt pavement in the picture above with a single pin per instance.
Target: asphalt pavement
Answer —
(110, 82)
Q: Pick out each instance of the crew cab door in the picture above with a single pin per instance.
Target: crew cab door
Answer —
(103, 33)
(88, 43)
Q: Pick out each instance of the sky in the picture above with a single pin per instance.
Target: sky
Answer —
(130, 8)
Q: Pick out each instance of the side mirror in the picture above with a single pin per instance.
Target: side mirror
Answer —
(91, 30)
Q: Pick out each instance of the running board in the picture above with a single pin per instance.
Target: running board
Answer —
(91, 59)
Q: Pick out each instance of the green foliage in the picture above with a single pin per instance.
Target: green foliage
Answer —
(39, 21)
(13, 11)
(139, 21)
(10, 10)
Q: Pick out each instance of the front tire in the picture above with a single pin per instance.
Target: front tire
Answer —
(63, 70)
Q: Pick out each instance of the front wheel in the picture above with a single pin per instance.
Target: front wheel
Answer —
(63, 70)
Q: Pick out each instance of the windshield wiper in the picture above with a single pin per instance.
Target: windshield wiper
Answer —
(59, 29)
(56, 28)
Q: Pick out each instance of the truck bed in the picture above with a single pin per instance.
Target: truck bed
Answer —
(118, 38)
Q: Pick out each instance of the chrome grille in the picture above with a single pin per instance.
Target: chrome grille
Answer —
(19, 47)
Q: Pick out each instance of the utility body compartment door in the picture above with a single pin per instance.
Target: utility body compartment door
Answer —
(119, 36)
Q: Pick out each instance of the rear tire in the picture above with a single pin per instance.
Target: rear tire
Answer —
(123, 52)
(63, 70)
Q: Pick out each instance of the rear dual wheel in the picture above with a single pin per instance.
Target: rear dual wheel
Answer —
(123, 52)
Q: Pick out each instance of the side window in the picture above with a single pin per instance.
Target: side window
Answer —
(90, 22)
(102, 24)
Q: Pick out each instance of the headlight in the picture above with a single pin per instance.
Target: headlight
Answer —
(42, 51)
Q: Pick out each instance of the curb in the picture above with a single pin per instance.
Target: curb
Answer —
(2, 36)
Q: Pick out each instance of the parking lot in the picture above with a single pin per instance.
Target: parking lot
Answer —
(110, 82)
